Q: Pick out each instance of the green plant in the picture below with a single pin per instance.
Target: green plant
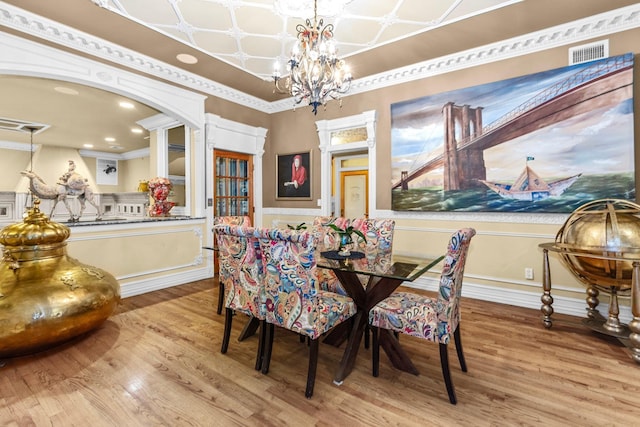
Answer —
(348, 231)
(298, 227)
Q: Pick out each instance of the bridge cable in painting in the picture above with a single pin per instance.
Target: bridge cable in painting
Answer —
(591, 73)
(413, 167)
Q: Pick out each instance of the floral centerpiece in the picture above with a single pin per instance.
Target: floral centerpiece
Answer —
(159, 189)
(346, 239)
(298, 227)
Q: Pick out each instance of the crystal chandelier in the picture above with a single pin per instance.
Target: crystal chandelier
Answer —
(316, 75)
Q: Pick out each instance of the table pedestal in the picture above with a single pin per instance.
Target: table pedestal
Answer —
(365, 298)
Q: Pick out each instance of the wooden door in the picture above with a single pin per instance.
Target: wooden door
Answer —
(233, 184)
(232, 187)
(354, 194)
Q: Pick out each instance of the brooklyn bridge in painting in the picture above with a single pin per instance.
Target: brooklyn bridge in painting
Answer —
(605, 83)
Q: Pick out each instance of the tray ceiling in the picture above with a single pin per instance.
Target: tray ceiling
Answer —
(251, 34)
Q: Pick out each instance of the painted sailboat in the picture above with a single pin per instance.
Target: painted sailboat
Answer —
(531, 187)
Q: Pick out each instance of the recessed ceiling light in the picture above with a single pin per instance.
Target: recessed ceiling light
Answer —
(109, 139)
(87, 145)
(65, 90)
(126, 104)
(136, 130)
(185, 58)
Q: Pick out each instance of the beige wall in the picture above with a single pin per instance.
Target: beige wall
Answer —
(144, 256)
(133, 171)
(51, 162)
(501, 250)
(296, 131)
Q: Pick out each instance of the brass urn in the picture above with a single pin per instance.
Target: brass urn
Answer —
(46, 296)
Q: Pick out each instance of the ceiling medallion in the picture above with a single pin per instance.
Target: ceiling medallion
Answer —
(316, 75)
(300, 8)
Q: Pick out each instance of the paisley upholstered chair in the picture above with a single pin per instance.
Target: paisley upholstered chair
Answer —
(228, 220)
(293, 300)
(241, 271)
(377, 248)
(379, 235)
(432, 319)
(327, 239)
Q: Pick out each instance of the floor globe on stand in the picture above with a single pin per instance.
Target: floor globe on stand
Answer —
(601, 240)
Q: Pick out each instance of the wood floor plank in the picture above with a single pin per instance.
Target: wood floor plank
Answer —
(157, 362)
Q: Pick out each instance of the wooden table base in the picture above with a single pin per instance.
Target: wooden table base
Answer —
(365, 298)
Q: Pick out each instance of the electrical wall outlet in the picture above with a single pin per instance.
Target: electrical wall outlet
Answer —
(528, 273)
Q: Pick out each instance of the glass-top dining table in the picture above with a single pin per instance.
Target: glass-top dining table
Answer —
(368, 279)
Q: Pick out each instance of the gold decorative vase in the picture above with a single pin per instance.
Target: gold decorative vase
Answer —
(46, 296)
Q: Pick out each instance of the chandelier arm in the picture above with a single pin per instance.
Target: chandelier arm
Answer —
(316, 75)
(280, 89)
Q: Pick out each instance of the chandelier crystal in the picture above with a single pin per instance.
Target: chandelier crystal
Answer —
(316, 75)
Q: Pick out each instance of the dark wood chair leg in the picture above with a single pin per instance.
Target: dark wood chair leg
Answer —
(375, 351)
(228, 318)
(444, 361)
(367, 329)
(458, 341)
(261, 342)
(268, 346)
(220, 297)
(313, 365)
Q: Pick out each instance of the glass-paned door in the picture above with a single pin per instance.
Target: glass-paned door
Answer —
(233, 183)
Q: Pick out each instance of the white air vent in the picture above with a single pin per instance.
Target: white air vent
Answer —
(21, 126)
(589, 52)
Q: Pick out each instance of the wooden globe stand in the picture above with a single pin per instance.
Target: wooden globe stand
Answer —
(627, 335)
(599, 244)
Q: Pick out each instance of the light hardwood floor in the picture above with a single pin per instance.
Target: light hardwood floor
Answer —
(157, 361)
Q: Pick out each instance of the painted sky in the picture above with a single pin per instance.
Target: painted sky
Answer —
(597, 142)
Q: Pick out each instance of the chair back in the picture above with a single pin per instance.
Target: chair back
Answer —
(232, 220)
(293, 300)
(324, 236)
(450, 288)
(327, 239)
(241, 269)
(290, 279)
(379, 234)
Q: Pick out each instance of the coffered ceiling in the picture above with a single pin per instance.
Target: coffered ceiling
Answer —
(252, 34)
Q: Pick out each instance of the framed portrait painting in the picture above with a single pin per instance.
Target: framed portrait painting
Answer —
(293, 176)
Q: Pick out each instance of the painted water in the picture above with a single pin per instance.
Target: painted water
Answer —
(585, 189)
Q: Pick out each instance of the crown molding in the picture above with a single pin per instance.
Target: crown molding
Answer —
(57, 33)
(600, 25)
(134, 154)
(18, 146)
(614, 21)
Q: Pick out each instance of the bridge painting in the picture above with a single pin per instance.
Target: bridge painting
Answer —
(575, 120)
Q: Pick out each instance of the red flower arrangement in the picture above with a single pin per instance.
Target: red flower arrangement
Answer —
(159, 189)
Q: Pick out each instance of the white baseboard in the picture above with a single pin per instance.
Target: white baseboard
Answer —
(571, 306)
(148, 285)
